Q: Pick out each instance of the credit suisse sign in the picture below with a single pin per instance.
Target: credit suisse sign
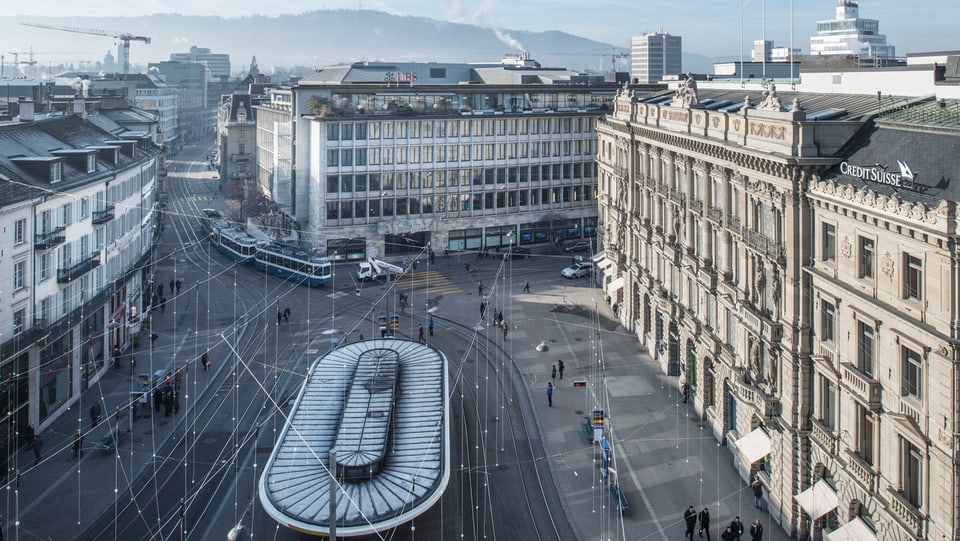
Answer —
(878, 174)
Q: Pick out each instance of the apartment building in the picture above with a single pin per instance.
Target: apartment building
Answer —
(654, 55)
(390, 157)
(77, 199)
(792, 257)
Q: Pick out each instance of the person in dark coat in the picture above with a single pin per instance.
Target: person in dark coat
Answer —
(736, 528)
(172, 286)
(205, 360)
(420, 337)
(553, 373)
(179, 285)
(157, 399)
(167, 402)
(705, 522)
(78, 444)
(756, 531)
(727, 535)
(176, 402)
(286, 315)
(757, 492)
(690, 517)
(95, 413)
(37, 445)
(549, 394)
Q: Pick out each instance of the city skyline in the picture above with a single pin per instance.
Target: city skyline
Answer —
(698, 21)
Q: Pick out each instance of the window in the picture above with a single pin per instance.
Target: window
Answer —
(865, 348)
(242, 148)
(19, 317)
(333, 132)
(911, 467)
(912, 373)
(66, 214)
(865, 425)
(829, 248)
(828, 403)
(91, 163)
(56, 171)
(20, 231)
(333, 158)
(19, 271)
(43, 272)
(827, 321)
(913, 278)
(866, 258)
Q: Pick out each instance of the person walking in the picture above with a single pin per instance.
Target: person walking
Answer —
(736, 528)
(286, 315)
(756, 531)
(549, 394)
(279, 316)
(176, 402)
(78, 444)
(466, 266)
(95, 413)
(173, 285)
(685, 390)
(179, 285)
(483, 308)
(37, 445)
(690, 517)
(430, 325)
(757, 492)
(505, 329)
(526, 285)
(205, 361)
(480, 287)
(420, 337)
(705, 522)
(553, 373)
(727, 535)
(560, 367)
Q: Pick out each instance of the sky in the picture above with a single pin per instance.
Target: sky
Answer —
(708, 27)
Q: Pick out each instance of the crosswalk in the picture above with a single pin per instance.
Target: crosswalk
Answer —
(429, 282)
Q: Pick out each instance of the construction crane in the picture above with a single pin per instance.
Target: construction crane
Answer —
(123, 50)
(614, 55)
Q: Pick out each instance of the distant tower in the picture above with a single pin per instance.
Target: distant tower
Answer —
(109, 63)
(654, 55)
(849, 35)
(254, 71)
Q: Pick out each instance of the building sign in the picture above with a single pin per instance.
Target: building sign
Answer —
(400, 77)
(878, 174)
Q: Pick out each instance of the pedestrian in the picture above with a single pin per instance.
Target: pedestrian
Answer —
(177, 377)
(757, 492)
(205, 361)
(159, 290)
(736, 528)
(705, 522)
(153, 337)
(78, 444)
(157, 399)
(549, 394)
(727, 535)
(361, 337)
(690, 517)
(505, 328)
(526, 285)
(37, 445)
(403, 306)
(172, 286)
(95, 413)
(480, 287)
(163, 305)
(430, 325)
(500, 317)
(176, 402)
(167, 402)
(553, 373)
(685, 390)
(560, 367)
(279, 316)
(286, 314)
(383, 332)
(483, 308)
(179, 285)
(756, 531)
(466, 265)
(433, 256)
(420, 337)
(446, 253)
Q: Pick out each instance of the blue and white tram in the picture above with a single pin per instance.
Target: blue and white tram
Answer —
(234, 243)
(295, 264)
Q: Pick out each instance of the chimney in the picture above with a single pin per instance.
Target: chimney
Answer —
(80, 107)
(26, 110)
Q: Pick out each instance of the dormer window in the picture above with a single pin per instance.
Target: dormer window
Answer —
(91, 163)
(241, 117)
(56, 171)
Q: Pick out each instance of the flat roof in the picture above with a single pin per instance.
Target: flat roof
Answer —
(294, 488)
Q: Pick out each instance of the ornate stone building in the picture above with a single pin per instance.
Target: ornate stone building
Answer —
(750, 251)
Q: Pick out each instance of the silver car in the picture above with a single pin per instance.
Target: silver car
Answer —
(579, 270)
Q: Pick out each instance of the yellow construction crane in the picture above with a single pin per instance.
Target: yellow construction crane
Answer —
(123, 51)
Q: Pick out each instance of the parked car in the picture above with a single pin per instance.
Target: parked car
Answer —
(213, 214)
(581, 269)
(517, 253)
(579, 246)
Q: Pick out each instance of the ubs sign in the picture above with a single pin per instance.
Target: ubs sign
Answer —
(878, 174)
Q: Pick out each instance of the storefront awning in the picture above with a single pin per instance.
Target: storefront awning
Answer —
(818, 500)
(754, 446)
(615, 285)
(855, 530)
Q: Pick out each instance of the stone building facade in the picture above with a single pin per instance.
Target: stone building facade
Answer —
(712, 209)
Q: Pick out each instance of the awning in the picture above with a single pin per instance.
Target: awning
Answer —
(754, 446)
(855, 530)
(604, 264)
(615, 285)
(818, 500)
(597, 257)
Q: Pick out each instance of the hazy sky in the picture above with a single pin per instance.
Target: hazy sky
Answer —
(709, 27)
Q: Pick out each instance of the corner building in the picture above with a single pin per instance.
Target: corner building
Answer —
(390, 157)
(812, 309)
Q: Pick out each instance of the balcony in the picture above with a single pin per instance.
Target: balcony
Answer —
(823, 436)
(715, 214)
(650, 182)
(863, 386)
(73, 272)
(861, 472)
(620, 171)
(45, 241)
(676, 196)
(762, 244)
(240, 157)
(733, 222)
(103, 216)
(906, 513)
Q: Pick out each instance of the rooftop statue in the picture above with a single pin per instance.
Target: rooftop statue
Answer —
(686, 95)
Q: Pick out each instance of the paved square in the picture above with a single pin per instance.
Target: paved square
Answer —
(629, 386)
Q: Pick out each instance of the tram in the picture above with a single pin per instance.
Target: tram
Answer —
(234, 243)
(294, 264)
